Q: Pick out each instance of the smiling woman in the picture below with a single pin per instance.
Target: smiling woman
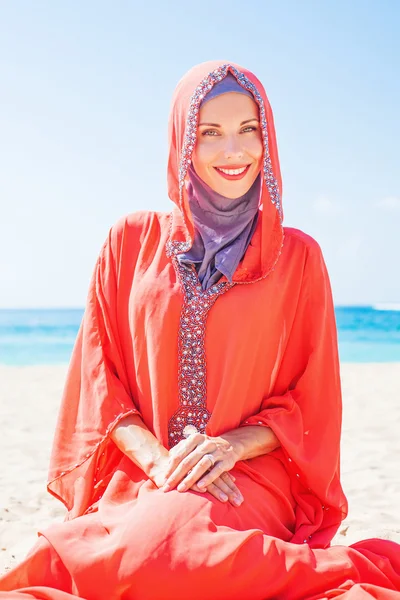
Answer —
(229, 145)
(197, 449)
(224, 214)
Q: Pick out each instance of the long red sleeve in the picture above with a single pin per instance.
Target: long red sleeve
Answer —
(96, 396)
(305, 412)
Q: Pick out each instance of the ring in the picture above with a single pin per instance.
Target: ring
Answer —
(211, 458)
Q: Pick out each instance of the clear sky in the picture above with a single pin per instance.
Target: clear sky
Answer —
(85, 91)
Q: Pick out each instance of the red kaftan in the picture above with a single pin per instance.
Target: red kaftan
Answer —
(262, 353)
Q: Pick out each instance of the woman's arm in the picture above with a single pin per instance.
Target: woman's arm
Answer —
(251, 441)
(137, 442)
(227, 449)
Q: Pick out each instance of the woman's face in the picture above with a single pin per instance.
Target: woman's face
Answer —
(228, 137)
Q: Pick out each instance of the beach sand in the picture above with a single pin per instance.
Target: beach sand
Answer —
(29, 400)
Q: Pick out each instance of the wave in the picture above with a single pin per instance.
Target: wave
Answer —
(393, 306)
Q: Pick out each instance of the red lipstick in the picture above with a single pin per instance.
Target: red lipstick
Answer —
(230, 167)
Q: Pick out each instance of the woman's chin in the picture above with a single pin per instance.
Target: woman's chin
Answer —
(231, 189)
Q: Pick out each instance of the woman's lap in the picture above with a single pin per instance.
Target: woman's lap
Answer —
(148, 532)
(144, 544)
(175, 546)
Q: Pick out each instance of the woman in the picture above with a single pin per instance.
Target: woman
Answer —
(197, 448)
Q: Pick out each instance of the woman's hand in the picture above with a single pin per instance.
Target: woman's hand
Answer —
(159, 471)
(189, 463)
(223, 488)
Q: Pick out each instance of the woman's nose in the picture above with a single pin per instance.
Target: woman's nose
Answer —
(233, 148)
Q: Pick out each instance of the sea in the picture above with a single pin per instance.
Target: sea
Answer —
(47, 336)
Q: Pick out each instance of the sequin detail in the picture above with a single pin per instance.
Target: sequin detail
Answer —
(200, 92)
(191, 353)
(197, 302)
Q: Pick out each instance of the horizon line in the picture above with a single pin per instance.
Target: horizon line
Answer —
(374, 305)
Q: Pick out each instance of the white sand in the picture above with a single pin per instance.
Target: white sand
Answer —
(29, 400)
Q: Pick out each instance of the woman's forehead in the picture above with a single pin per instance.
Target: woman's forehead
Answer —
(228, 106)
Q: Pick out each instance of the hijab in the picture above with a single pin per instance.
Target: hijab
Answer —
(223, 227)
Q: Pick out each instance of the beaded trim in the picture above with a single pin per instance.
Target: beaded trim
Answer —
(200, 92)
(192, 412)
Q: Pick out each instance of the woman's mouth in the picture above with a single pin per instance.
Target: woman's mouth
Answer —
(233, 172)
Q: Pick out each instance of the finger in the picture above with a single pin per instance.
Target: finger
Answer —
(218, 490)
(212, 475)
(187, 447)
(222, 486)
(219, 483)
(233, 493)
(214, 491)
(181, 451)
(184, 469)
(227, 478)
(197, 472)
(188, 463)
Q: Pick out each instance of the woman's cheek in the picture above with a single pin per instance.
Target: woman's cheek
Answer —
(205, 153)
(255, 148)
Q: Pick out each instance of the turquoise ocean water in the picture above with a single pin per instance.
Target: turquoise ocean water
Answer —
(46, 336)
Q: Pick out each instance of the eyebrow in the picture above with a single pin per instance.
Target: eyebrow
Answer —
(216, 124)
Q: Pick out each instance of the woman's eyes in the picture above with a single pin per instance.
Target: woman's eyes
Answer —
(244, 130)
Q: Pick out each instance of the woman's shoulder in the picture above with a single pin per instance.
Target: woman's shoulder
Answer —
(296, 239)
(130, 231)
(140, 221)
(303, 249)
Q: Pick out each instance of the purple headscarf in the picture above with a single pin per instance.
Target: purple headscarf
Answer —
(223, 226)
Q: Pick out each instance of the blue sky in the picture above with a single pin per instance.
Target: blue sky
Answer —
(85, 91)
